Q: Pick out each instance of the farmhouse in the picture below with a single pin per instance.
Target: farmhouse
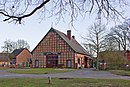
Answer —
(20, 56)
(57, 49)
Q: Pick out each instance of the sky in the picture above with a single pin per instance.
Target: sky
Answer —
(33, 30)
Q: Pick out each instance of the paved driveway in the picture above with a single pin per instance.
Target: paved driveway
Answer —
(81, 73)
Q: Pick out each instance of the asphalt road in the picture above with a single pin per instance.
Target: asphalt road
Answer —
(80, 73)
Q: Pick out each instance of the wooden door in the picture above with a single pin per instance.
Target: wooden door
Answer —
(51, 60)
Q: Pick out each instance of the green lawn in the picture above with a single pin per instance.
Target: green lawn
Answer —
(77, 82)
(121, 72)
(3, 68)
(39, 71)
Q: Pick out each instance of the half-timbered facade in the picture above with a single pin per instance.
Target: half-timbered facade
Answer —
(57, 49)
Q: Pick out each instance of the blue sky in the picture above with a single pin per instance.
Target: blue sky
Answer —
(32, 31)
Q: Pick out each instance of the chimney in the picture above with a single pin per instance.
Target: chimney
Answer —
(73, 37)
(69, 34)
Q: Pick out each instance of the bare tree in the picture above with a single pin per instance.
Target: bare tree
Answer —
(22, 44)
(95, 39)
(90, 49)
(7, 48)
(10, 46)
(127, 25)
(121, 34)
(17, 10)
(111, 44)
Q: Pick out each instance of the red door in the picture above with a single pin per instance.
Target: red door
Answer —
(51, 60)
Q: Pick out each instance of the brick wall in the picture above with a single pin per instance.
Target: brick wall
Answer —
(55, 44)
(22, 57)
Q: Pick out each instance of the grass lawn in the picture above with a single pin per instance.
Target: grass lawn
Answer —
(77, 82)
(3, 68)
(121, 72)
(39, 71)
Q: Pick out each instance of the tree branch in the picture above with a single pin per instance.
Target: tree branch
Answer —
(19, 18)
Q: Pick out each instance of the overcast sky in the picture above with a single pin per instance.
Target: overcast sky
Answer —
(32, 30)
